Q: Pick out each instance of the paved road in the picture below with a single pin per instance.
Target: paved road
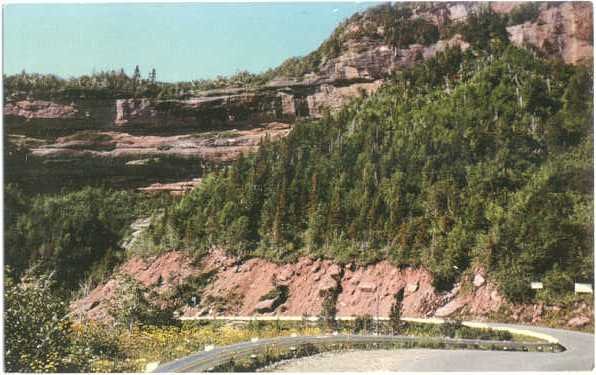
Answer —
(578, 356)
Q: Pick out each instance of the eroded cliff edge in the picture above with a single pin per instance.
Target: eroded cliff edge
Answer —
(357, 65)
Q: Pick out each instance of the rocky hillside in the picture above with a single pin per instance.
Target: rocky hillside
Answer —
(358, 57)
(467, 167)
(248, 288)
(362, 57)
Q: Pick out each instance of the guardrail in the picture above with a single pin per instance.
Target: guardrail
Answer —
(538, 335)
(249, 351)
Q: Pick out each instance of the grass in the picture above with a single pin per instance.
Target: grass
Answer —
(149, 344)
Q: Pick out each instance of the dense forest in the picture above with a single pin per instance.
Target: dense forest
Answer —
(482, 157)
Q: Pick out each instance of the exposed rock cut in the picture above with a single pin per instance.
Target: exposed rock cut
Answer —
(244, 289)
(174, 188)
(217, 146)
(160, 273)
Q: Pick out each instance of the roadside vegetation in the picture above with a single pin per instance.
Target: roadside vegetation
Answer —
(41, 336)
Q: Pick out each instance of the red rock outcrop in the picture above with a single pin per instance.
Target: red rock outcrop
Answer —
(219, 147)
(241, 289)
(160, 273)
(563, 31)
(174, 188)
(372, 289)
(40, 109)
(359, 70)
(214, 109)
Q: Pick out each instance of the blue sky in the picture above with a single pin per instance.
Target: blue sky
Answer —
(182, 41)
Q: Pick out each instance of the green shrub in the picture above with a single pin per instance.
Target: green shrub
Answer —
(79, 230)
(363, 324)
(37, 332)
(444, 164)
(130, 306)
(450, 328)
(525, 12)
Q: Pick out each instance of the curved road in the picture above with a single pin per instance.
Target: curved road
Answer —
(579, 356)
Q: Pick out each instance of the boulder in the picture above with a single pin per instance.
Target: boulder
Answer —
(334, 271)
(479, 280)
(316, 267)
(367, 287)
(578, 321)
(450, 308)
(326, 285)
(285, 275)
(265, 305)
(411, 288)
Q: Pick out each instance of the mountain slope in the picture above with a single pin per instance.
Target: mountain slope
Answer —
(56, 126)
(463, 160)
(473, 157)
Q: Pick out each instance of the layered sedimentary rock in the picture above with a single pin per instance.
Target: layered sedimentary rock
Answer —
(134, 131)
(40, 109)
(140, 149)
(358, 71)
(214, 110)
(560, 30)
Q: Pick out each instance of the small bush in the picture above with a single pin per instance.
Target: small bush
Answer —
(451, 328)
(363, 324)
(523, 13)
(37, 330)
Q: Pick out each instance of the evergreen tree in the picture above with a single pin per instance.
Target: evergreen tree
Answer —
(153, 76)
(395, 313)
(136, 77)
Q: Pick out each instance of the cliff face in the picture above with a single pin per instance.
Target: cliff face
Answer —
(358, 71)
(140, 150)
(128, 131)
(204, 112)
(560, 30)
(40, 109)
(563, 31)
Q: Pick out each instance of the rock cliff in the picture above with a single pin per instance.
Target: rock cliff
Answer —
(40, 109)
(359, 70)
(354, 61)
(563, 31)
(361, 63)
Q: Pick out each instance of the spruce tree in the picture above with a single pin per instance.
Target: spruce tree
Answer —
(395, 313)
